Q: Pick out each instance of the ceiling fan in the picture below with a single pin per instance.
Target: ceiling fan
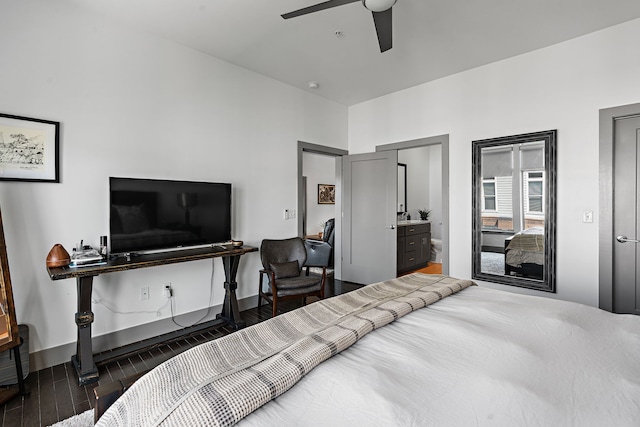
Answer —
(380, 9)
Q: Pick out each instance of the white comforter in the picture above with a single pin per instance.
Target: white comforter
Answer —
(480, 357)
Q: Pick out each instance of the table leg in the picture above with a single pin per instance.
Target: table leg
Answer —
(230, 310)
(83, 359)
(7, 394)
(19, 373)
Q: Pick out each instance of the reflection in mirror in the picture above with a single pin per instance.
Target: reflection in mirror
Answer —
(9, 337)
(5, 325)
(514, 210)
(402, 189)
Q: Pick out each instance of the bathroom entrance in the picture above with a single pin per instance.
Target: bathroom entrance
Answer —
(420, 192)
(425, 163)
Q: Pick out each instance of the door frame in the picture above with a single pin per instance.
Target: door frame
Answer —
(307, 147)
(608, 116)
(442, 140)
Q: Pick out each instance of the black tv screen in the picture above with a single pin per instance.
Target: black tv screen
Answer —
(149, 214)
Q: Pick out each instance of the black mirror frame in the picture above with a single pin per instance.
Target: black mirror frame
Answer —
(403, 166)
(548, 282)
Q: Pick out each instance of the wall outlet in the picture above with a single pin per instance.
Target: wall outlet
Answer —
(289, 213)
(167, 292)
(144, 293)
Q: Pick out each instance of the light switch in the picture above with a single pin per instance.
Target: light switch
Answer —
(587, 216)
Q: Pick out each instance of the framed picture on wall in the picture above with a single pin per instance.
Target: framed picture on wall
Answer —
(326, 194)
(29, 149)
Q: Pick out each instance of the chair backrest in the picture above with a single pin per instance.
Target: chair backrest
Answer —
(327, 234)
(279, 251)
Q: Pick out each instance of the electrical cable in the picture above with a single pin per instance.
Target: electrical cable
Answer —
(103, 303)
(211, 295)
(169, 301)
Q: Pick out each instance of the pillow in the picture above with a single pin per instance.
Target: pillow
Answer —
(283, 270)
(132, 218)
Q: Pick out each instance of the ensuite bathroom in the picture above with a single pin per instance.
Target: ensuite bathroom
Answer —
(420, 192)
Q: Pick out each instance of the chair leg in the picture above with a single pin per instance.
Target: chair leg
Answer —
(275, 306)
(323, 282)
(259, 300)
(260, 292)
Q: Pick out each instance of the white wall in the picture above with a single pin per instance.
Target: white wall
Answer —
(319, 169)
(136, 106)
(561, 87)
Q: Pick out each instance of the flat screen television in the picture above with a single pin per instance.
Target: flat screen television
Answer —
(150, 215)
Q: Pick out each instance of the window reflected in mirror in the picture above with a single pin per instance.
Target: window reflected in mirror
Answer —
(514, 210)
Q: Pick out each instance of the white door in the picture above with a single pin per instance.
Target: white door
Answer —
(626, 216)
(369, 217)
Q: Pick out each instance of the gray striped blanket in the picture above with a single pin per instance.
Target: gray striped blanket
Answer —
(220, 382)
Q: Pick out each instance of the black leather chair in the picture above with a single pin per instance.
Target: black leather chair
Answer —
(320, 252)
(282, 262)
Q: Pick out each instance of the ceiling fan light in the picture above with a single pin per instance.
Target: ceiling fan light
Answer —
(378, 5)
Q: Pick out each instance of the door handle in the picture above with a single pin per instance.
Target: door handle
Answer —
(624, 239)
(393, 227)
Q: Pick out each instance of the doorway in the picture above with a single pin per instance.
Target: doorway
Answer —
(619, 209)
(440, 140)
(322, 157)
(423, 193)
(438, 195)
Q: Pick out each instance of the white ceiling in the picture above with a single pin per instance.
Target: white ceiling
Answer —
(431, 38)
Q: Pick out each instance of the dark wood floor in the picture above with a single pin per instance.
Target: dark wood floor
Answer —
(55, 395)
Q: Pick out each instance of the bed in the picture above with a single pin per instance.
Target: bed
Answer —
(418, 350)
(524, 253)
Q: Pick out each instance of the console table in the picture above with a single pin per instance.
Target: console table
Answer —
(84, 361)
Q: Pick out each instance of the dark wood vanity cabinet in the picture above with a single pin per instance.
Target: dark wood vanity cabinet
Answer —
(414, 246)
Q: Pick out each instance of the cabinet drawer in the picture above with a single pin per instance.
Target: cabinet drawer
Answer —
(412, 242)
(417, 229)
(410, 258)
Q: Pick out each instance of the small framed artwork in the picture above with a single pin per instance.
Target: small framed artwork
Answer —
(29, 149)
(326, 194)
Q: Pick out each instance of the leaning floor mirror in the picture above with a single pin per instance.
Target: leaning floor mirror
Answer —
(9, 336)
(514, 194)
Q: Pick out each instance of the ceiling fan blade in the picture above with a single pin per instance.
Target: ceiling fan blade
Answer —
(383, 22)
(317, 7)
